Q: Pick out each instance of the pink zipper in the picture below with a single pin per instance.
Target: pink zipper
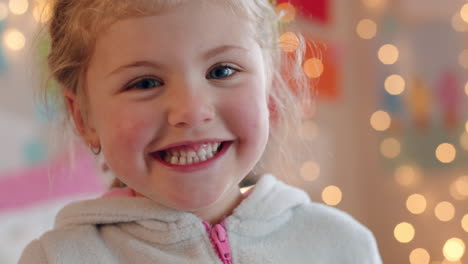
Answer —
(219, 239)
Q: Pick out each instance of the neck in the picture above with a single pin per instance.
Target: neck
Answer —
(215, 213)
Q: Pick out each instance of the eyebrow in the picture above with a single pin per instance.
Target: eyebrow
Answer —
(207, 55)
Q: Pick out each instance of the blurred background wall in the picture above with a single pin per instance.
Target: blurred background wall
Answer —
(389, 124)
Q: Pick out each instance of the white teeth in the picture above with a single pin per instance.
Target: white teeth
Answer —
(201, 152)
(186, 156)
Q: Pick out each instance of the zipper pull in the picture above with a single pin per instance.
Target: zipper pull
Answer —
(218, 237)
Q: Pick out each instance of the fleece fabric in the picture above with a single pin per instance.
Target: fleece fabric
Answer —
(275, 224)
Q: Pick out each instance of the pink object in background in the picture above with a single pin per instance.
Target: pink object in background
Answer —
(50, 181)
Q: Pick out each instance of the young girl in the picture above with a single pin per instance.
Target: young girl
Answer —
(177, 96)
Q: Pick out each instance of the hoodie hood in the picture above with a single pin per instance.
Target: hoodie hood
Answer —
(268, 207)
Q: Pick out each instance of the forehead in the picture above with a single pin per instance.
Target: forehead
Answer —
(182, 30)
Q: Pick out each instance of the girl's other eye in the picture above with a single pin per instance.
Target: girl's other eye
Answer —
(221, 72)
(145, 84)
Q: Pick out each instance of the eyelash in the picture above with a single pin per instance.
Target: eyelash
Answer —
(232, 69)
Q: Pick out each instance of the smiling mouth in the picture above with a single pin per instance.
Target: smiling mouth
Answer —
(183, 156)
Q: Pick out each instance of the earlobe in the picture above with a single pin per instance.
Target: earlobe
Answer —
(75, 110)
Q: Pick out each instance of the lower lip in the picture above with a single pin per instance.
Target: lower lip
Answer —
(196, 166)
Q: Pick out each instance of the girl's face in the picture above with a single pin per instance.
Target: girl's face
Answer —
(179, 88)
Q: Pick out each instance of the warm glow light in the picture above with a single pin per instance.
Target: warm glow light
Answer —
(332, 195)
(419, 256)
(375, 5)
(310, 171)
(18, 7)
(313, 68)
(406, 175)
(286, 11)
(380, 121)
(390, 148)
(461, 185)
(454, 249)
(246, 189)
(416, 204)
(395, 84)
(463, 59)
(14, 40)
(464, 13)
(3, 11)
(309, 130)
(446, 153)
(464, 141)
(404, 232)
(42, 11)
(458, 24)
(466, 88)
(464, 223)
(388, 54)
(444, 211)
(289, 42)
(453, 190)
(366, 29)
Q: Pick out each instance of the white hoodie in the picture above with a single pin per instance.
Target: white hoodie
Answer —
(276, 223)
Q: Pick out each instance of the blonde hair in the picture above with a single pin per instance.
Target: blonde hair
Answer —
(76, 23)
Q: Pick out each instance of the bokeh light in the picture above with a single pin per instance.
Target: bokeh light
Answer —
(388, 54)
(461, 186)
(3, 11)
(454, 249)
(464, 141)
(286, 11)
(14, 39)
(416, 203)
(289, 42)
(464, 13)
(458, 24)
(404, 232)
(375, 5)
(463, 59)
(444, 211)
(390, 148)
(332, 195)
(446, 153)
(313, 68)
(419, 256)
(466, 88)
(464, 223)
(380, 121)
(366, 29)
(407, 175)
(18, 7)
(42, 12)
(395, 84)
(310, 171)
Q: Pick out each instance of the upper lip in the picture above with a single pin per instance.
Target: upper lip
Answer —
(189, 144)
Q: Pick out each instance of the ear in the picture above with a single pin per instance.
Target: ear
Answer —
(75, 109)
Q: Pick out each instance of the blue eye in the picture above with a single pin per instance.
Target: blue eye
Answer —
(145, 84)
(221, 72)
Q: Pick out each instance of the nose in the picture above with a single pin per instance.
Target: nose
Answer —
(190, 109)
